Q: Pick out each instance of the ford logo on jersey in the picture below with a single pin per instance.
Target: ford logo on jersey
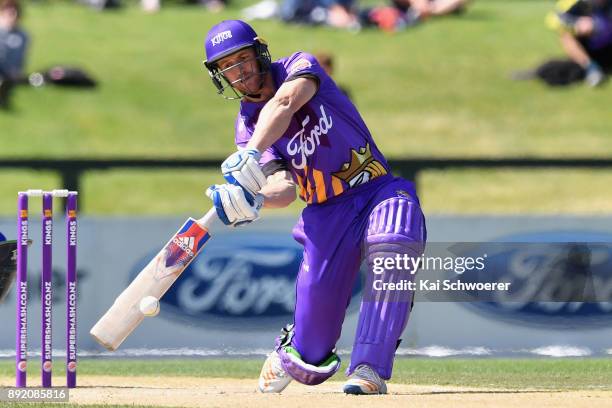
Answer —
(559, 279)
(238, 279)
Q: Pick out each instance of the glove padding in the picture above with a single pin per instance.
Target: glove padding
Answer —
(232, 205)
(242, 169)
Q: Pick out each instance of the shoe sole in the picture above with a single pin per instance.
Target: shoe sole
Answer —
(357, 390)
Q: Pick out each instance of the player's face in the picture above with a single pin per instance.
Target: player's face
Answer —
(242, 70)
(8, 18)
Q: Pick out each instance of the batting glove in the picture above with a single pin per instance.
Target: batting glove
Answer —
(242, 169)
(232, 205)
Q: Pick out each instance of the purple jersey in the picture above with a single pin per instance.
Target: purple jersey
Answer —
(327, 147)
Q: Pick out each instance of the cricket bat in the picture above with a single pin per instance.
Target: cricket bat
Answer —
(154, 280)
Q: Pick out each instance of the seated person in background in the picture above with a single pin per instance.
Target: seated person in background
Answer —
(405, 13)
(585, 30)
(335, 13)
(427, 8)
(13, 46)
(154, 6)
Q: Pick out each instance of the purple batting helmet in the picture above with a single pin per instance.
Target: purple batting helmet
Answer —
(226, 38)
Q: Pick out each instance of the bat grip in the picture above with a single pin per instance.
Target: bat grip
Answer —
(209, 221)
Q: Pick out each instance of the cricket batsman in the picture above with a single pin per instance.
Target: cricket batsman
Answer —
(295, 128)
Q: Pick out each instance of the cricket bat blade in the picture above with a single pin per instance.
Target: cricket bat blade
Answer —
(154, 280)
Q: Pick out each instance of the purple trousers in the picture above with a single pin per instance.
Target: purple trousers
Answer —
(379, 218)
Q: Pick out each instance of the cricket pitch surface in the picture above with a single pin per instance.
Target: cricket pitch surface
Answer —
(220, 392)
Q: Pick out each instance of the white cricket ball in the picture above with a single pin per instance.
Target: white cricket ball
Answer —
(149, 306)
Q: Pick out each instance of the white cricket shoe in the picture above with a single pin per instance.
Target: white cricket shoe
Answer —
(365, 381)
(273, 377)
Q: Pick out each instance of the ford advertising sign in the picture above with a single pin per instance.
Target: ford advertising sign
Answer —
(555, 283)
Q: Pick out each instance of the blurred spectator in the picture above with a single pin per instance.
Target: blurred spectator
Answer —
(153, 6)
(326, 60)
(265, 9)
(103, 4)
(431, 8)
(405, 13)
(335, 13)
(13, 47)
(585, 30)
(387, 18)
(150, 6)
(214, 6)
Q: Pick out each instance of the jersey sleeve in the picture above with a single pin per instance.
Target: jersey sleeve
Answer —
(271, 161)
(565, 14)
(302, 64)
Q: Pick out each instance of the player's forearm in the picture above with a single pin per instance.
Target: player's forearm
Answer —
(575, 50)
(278, 194)
(276, 115)
(273, 121)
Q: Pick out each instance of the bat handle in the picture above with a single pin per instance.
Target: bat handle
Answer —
(209, 221)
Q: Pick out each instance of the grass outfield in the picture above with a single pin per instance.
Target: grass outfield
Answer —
(436, 90)
(441, 89)
(544, 374)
